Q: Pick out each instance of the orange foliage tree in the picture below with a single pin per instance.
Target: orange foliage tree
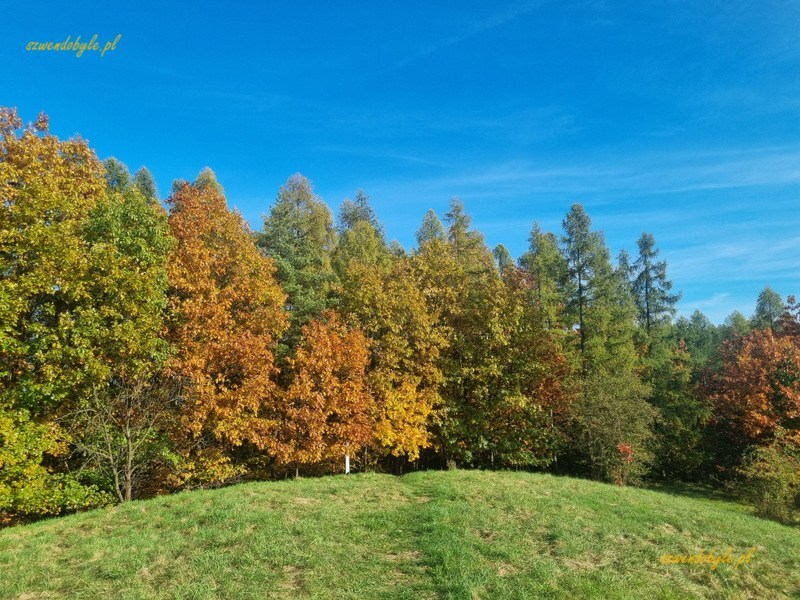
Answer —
(227, 315)
(758, 389)
(328, 409)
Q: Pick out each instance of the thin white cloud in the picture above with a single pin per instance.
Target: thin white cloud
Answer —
(631, 175)
(495, 20)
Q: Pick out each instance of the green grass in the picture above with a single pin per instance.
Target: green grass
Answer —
(454, 534)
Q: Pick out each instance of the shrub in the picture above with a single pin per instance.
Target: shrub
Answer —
(770, 479)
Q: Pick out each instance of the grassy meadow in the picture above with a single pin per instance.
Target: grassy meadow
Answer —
(453, 534)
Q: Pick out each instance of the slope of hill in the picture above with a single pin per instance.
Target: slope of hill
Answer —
(455, 534)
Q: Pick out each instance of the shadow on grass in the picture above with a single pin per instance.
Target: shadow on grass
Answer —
(698, 491)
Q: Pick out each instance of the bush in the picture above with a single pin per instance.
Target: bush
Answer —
(28, 489)
(770, 479)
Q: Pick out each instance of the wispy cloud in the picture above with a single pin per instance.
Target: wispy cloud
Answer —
(742, 260)
(491, 22)
(624, 175)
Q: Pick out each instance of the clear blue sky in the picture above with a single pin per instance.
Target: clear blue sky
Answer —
(677, 118)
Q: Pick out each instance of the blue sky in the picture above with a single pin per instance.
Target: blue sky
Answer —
(677, 118)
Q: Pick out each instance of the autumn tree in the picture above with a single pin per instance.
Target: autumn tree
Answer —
(360, 239)
(227, 317)
(531, 395)
(497, 395)
(463, 269)
(328, 410)
(388, 302)
(29, 485)
(757, 391)
(51, 329)
(121, 426)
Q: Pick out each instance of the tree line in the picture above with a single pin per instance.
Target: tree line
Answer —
(149, 346)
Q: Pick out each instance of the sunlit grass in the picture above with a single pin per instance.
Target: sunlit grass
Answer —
(455, 534)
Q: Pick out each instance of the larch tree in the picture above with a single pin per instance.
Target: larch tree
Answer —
(769, 308)
(431, 228)
(355, 211)
(146, 184)
(652, 289)
(613, 419)
(666, 366)
(582, 248)
(361, 239)
(117, 175)
(227, 315)
(549, 275)
(299, 236)
(502, 257)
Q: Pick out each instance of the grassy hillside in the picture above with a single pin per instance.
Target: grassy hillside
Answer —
(456, 534)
